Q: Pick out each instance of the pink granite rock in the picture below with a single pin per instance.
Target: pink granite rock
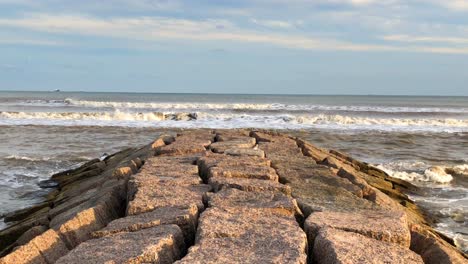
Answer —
(249, 185)
(161, 244)
(336, 246)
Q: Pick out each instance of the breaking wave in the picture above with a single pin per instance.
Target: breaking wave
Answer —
(232, 120)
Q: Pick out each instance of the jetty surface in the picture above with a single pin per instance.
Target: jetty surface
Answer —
(225, 196)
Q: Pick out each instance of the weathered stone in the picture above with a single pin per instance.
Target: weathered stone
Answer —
(318, 154)
(26, 212)
(269, 136)
(161, 244)
(336, 246)
(249, 185)
(433, 249)
(317, 174)
(10, 234)
(30, 234)
(222, 146)
(142, 180)
(122, 173)
(278, 150)
(185, 218)
(318, 197)
(271, 202)
(253, 227)
(302, 162)
(215, 160)
(185, 145)
(247, 172)
(45, 248)
(148, 198)
(180, 159)
(158, 143)
(245, 152)
(236, 250)
(226, 135)
(388, 226)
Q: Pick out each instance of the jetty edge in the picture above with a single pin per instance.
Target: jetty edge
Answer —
(225, 196)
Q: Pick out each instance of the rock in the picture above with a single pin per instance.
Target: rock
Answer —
(235, 250)
(227, 135)
(247, 172)
(245, 152)
(10, 234)
(248, 233)
(319, 197)
(217, 160)
(122, 173)
(26, 212)
(148, 198)
(48, 184)
(45, 248)
(310, 150)
(221, 147)
(336, 246)
(30, 234)
(388, 226)
(185, 218)
(161, 244)
(432, 248)
(249, 185)
(272, 202)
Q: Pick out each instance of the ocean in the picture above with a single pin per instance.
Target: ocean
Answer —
(46, 132)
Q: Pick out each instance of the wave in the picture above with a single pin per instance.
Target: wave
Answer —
(260, 106)
(25, 158)
(433, 174)
(233, 120)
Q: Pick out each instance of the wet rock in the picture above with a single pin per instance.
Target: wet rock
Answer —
(318, 154)
(161, 244)
(181, 116)
(45, 248)
(48, 184)
(272, 202)
(388, 226)
(245, 152)
(26, 212)
(122, 173)
(336, 246)
(30, 234)
(10, 234)
(248, 185)
(432, 248)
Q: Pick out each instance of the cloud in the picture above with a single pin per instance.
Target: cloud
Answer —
(456, 5)
(427, 39)
(173, 29)
(276, 23)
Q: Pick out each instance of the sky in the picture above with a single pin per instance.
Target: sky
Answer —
(390, 47)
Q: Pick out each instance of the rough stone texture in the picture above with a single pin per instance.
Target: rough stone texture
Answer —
(388, 226)
(162, 244)
(30, 234)
(185, 218)
(236, 235)
(250, 185)
(248, 172)
(317, 197)
(239, 142)
(336, 246)
(271, 202)
(217, 160)
(245, 152)
(433, 249)
(45, 248)
(148, 198)
(235, 250)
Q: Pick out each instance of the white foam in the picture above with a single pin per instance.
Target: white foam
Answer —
(433, 174)
(261, 106)
(215, 119)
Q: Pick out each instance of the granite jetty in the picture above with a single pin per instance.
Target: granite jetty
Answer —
(225, 196)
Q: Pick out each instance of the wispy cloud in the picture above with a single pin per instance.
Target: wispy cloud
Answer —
(218, 30)
(426, 39)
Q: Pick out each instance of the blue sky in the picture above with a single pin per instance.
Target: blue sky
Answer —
(416, 47)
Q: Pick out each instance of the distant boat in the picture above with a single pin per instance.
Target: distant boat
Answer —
(57, 90)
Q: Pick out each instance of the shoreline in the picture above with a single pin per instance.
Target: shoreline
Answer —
(123, 164)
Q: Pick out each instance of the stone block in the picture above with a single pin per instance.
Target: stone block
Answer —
(249, 185)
